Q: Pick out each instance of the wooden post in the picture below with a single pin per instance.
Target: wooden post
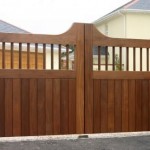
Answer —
(88, 78)
(79, 67)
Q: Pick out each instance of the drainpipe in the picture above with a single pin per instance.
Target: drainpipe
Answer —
(124, 23)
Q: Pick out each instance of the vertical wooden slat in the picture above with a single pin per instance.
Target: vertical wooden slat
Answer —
(59, 60)
(36, 55)
(106, 58)
(97, 107)
(104, 106)
(111, 106)
(134, 59)
(44, 56)
(138, 104)
(141, 60)
(80, 87)
(25, 107)
(20, 55)
(72, 106)
(127, 59)
(28, 55)
(64, 107)
(88, 79)
(145, 105)
(8, 108)
(49, 107)
(67, 57)
(125, 104)
(3, 55)
(120, 53)
(16, 107)
(41, 107)
(12, 56)
(99, 58)
(33, 107)
(52, 57)
(56, 105)
(131, 105)
(113, 57)
(148, 59)
(118, 105)
(2, 108)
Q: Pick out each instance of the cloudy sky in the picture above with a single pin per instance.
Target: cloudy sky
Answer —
(54, 16)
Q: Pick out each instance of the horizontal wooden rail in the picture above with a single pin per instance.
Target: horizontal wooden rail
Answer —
(120, 75)
(11, 73)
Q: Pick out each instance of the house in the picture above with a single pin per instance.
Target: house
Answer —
(9, 28)
(131, 20)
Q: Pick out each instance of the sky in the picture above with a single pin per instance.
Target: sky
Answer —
(54, 16)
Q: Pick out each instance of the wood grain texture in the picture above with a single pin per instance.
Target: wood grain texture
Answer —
(64, 107)
(16, 107)
(72, 106)
(8, 108)
(2, 107)
(49, 107)
(97, 106)
(41, 107)
(33, 107)
(25, 107)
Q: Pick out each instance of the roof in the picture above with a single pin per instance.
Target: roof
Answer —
(134, 5)
(9, 28)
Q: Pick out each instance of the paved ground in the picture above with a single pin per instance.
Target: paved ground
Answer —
(113, 143)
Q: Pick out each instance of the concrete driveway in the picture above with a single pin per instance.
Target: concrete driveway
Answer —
(121, 141)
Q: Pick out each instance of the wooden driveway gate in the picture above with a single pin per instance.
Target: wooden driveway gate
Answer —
(50, 99)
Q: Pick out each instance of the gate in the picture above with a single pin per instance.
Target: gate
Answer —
(55, 84)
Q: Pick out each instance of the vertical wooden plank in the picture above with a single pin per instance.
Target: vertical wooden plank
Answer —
(111, 106)
(49, 107)
(113, 55)
(12, 56)
(104, 106)
(33, 107)
(79, 67)
(127, 59)
(64, 106)
(25, 107)
(125, 106)
(145, 105)
(88, 79)
(134, 58)
(97, 106)
(131, 105)
(56, 106)
(28, 55)
(2, 108)
(36, 55)
(8, 108)
(3, 55)
(41, 107)
(99, 58)
(44, 56)
(72, 106)
(138, 112)
(52, 57)
(20, 55)
(118, 106)
(141, 60)
(59, 60)
(16, 107)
